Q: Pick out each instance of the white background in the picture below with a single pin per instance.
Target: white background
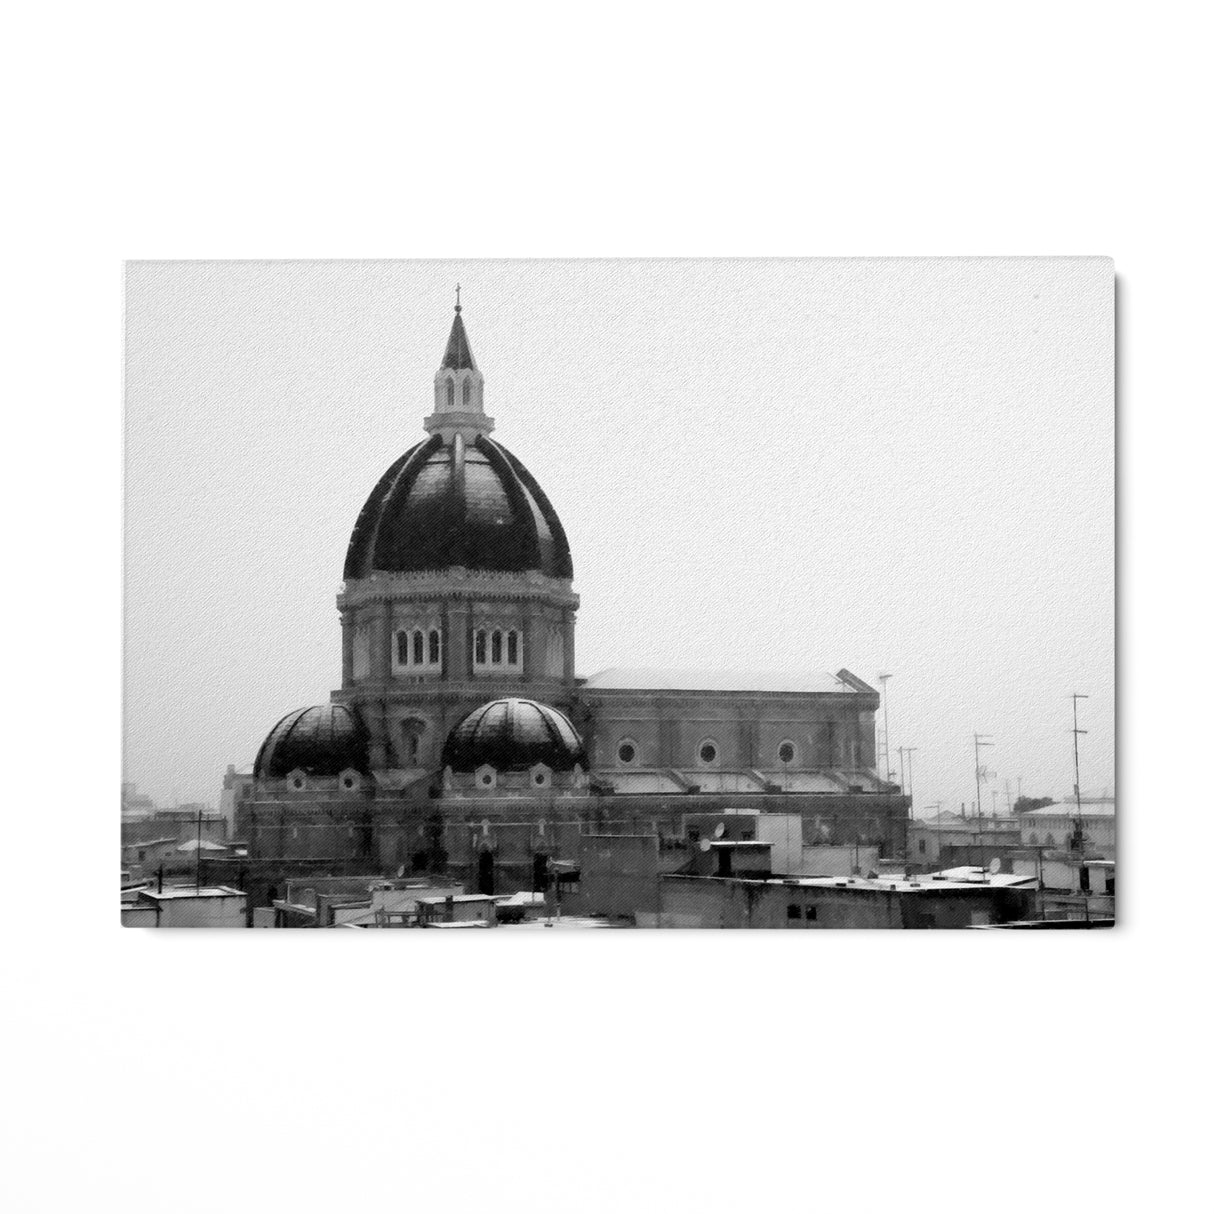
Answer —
(664, 1071)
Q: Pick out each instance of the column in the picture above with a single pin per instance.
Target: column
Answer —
(381, 650)
(530, 642)
(459, 660)
(567, 621)
(347, 648)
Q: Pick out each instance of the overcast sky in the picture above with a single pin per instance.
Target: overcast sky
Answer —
(884, 465)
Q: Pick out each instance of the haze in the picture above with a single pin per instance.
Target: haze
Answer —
(885, 465)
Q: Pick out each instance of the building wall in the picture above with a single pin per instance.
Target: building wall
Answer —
(619, 875)
(691, 902)
(668, 729)
(212, 912)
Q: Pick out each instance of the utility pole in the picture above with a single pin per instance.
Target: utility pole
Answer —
(910, 771)
(1075, 732)
(198, 853)
(883, 679)
(980, 740)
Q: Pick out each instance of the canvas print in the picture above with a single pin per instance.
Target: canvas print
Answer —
(534, 595)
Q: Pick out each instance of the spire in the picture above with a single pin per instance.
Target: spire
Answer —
(459, 353)
(459, 388)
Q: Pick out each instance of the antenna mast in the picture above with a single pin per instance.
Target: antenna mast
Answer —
(980, 740)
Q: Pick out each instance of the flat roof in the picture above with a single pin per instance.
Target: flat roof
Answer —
(1068, 809)
(881, 885)
(648, 678)
(189, 891)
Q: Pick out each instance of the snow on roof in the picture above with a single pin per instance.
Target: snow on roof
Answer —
(190, 891)
(204, 845)
(1067, 809)
(628, 678)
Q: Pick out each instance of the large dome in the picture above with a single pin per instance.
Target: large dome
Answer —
(514, 735)
(323, 741)
(448, 503)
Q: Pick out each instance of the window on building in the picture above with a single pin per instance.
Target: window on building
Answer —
(480, 648)
(787, 752)
(496, 649)
(450, 394)
(708, 752)
(512, 648)
(626, 752)
(811, 912)
(435, 647)
(419, 648)
(922, 846)
(467, 390)
(794, 912)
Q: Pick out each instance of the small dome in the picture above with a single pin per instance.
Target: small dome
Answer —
(324, 740)
(514, 735)
(446, 503)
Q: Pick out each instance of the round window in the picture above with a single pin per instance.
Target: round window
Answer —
(787, 752)
(627, 752)
(297, 783)
(540, 778)
(348, 782)
(708, 753)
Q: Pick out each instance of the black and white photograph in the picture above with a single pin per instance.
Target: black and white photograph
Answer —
(709, 503)
(671, 594)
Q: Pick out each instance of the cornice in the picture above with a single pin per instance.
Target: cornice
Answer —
(457, 583)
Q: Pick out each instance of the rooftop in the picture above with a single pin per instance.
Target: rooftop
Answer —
(180, 892)
(629, 678)
(952, 880)
(1067, 809)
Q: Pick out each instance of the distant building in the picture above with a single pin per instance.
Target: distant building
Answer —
(1072, 849)
(949, 839)
(237, 786)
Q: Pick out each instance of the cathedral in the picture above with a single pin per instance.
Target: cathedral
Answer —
(463, 742)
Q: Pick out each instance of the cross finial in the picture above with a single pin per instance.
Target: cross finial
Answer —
(457, 307)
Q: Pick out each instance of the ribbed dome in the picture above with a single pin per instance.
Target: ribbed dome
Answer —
(514, 735)
(445, 503)
(323, 741)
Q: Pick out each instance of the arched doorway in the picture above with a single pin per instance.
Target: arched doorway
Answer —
(484, 873)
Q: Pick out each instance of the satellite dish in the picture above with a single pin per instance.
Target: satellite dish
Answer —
(705, 844)
(719, 833)
(995, 865)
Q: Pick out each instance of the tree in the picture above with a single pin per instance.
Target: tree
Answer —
(1024, 804)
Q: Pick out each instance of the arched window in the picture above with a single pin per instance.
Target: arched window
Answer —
(480, 647)
(402, 649)
(419, 651)
(497, 648)
(512, 648)
(467, 390)
(450, 394)
(435, 652)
